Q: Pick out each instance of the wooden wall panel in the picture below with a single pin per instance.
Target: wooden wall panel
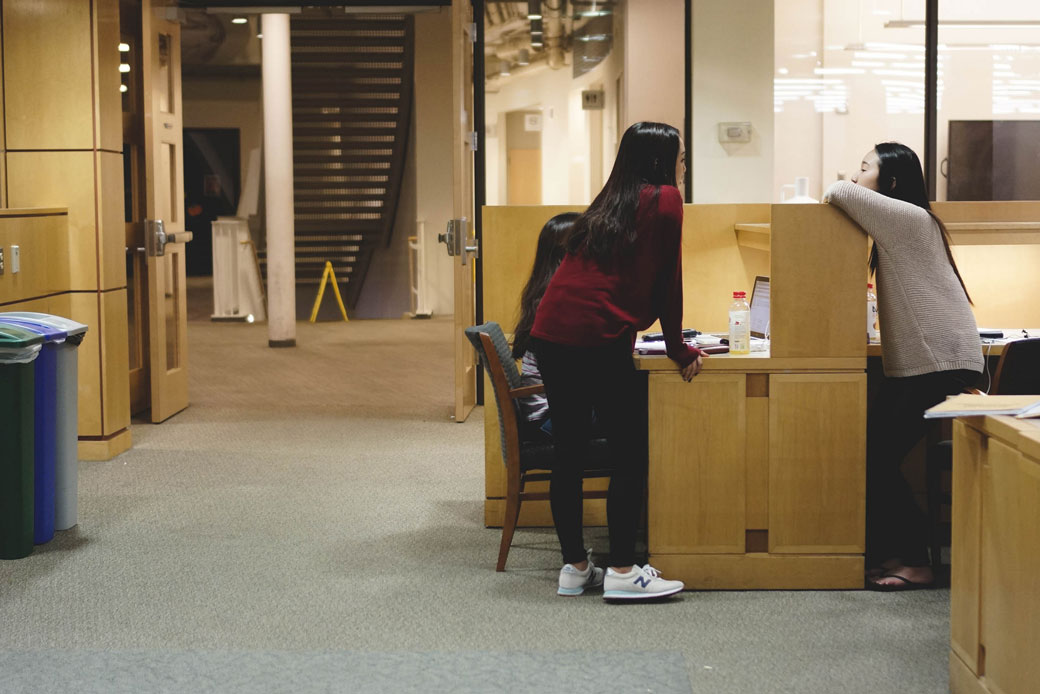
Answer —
(115, 357)
(109, 101)
(42, 240)
(61, 179)
(819, 313)
(83, 307)
(112, 235)
(817, 430)
(697, 472)
(47, 75)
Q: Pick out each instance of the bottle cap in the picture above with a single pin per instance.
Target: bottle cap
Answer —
(739, 295)
(869, 285)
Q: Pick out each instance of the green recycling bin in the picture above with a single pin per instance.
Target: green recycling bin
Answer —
(18, 350)
(66, 427)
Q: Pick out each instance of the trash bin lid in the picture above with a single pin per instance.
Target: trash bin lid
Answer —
(51, 335)
(18, 345)
(74, 329)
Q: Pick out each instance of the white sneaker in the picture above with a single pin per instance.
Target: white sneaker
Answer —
(641, 583)
(574, 582)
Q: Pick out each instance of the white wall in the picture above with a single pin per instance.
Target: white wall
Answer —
(655, 62)
(732, 81)
(433, 152)
(567, 148)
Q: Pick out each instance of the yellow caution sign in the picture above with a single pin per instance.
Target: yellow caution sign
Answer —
(325, 277)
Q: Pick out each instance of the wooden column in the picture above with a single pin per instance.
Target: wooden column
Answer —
(64, 149)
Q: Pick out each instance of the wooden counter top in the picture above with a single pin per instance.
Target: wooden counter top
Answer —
(754, 362)
(32, 211)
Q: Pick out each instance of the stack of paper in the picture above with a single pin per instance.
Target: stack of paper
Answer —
(970, 405)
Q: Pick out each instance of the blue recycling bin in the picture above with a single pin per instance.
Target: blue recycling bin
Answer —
(66, 506)
(46, 416)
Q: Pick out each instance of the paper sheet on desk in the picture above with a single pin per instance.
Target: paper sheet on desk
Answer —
(658, 346)
(970, 405)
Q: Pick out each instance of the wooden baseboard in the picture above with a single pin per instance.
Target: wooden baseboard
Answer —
(963, 680)
(105, 448)
(537, 514)
(762, 571)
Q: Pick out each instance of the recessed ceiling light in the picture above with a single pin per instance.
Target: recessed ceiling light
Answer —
(239, 20)
(122, 87)
(123, 67)
(124, 48)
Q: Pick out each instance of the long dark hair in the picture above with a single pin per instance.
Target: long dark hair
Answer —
(546, 259)
(900, 177)
(646, 156)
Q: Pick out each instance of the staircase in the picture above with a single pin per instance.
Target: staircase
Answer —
(352, 105)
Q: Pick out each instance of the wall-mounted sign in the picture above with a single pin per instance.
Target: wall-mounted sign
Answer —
(593, 100)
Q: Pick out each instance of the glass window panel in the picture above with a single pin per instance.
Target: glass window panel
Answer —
(988, 125)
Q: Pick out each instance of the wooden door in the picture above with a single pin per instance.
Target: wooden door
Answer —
(164, 235)
(459, 238)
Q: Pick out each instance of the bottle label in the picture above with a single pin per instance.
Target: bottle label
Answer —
(739, 332)
(873, 334)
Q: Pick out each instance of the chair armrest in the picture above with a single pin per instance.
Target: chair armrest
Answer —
(973, 391)
(527, 391)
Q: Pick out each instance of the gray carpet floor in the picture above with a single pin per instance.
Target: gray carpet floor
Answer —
(313, 523)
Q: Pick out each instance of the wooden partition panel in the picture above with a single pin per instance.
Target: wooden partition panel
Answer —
(819, 283)
(997, 249)
(715, 265)
(42, 237)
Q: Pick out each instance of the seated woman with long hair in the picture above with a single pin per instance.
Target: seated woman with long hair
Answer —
(930, 348)
(547, 258)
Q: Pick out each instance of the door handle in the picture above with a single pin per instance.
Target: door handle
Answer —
(156, 238)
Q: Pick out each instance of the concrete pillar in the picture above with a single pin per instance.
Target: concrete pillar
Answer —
(278, 182)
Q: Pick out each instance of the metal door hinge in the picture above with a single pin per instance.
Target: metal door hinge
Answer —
(471, 138)
(473, 32)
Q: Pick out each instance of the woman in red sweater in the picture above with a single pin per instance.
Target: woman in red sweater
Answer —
(623, 271)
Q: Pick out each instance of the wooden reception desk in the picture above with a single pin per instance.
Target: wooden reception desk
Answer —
(995, 572)
(757, 466)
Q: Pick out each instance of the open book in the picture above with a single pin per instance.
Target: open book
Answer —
(971, 405)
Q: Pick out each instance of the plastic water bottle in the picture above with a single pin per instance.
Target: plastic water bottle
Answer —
(739, 324)
(873, 334)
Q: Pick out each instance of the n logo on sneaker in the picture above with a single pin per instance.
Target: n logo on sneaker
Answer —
(642, 581)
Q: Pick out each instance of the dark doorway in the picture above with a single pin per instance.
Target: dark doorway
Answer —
(211, 189)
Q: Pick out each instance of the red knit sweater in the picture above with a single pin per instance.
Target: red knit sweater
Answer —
(589, 304)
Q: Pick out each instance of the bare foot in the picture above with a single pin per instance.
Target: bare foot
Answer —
(886, 567)
(916, 575)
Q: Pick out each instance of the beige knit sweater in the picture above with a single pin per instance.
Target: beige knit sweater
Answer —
(926, 320)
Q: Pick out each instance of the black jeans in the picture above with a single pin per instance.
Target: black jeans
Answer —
(896, 525)
(580, 381)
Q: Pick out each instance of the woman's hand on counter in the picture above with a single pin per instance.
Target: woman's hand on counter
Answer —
(691, 369)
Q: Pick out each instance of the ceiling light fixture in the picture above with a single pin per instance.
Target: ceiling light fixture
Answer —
(534, 9)
(239, 20)
(123, 67)
(124, 48)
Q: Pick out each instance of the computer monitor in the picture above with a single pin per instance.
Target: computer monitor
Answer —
(760, 307)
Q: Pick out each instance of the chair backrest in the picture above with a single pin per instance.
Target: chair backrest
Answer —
(509, 377)
(1018, 372)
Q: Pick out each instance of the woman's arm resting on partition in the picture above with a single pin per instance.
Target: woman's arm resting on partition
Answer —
(887, 220)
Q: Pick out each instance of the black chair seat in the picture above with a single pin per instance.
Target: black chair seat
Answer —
(538, 455)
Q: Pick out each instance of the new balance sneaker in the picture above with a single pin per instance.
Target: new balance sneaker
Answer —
(574, 582)
(641, 583)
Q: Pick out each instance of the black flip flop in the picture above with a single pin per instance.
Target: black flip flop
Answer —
(906, 584)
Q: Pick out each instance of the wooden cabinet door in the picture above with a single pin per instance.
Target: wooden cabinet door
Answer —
(817, 463)
(969, 454)
(697, 471)
(1010, 599)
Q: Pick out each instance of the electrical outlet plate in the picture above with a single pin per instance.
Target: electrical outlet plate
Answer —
(16, 259)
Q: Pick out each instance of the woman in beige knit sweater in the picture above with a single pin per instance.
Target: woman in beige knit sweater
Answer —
(930, 348)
